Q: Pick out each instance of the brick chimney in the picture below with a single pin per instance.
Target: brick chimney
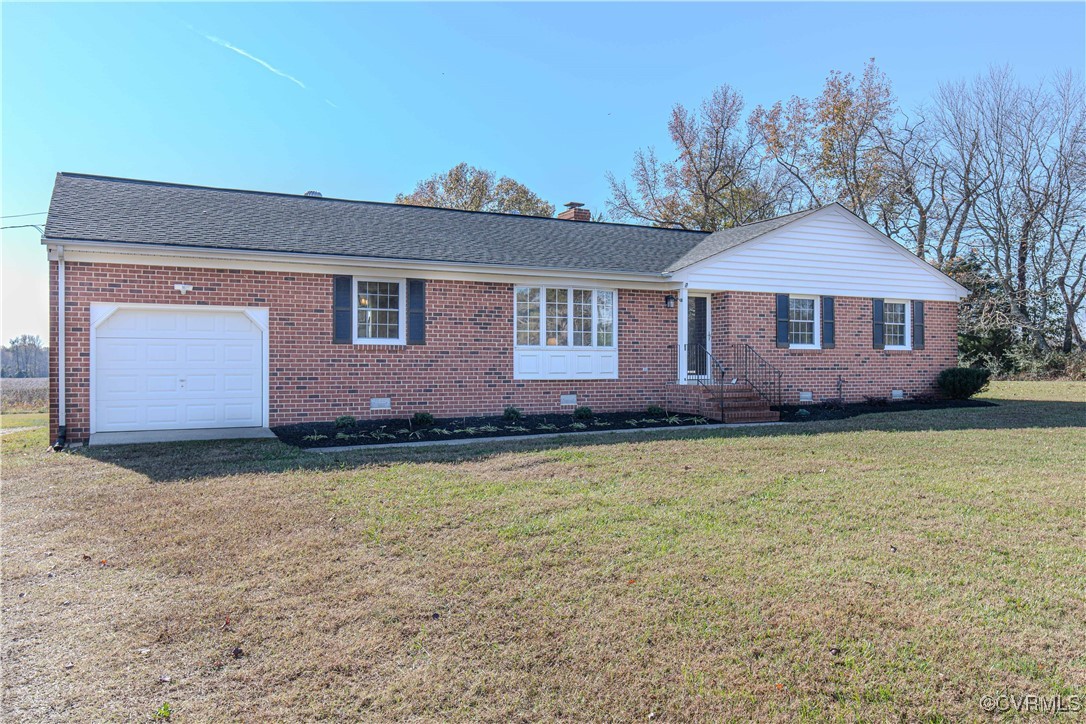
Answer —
(575, 212)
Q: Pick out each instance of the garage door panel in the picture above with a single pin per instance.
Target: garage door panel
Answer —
(238, 353)
(240, 414)
(116, 351)
(196, 415)
(162, 383)
(115, 414)
(201, 383)
(240, 383)
(163, 415)
(157, 352)
(166, 369)
(120, 384)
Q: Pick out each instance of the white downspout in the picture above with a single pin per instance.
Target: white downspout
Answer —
(62, 407)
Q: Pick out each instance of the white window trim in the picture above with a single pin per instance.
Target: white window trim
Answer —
(569, 317)
(817, 321)
(402, 339)
(908, 325)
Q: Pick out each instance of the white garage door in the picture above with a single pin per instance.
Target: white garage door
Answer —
(173, 370)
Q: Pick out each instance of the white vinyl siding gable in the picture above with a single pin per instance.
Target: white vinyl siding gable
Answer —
(826, 253)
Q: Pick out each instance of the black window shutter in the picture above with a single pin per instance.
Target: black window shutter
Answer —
(782, 320)
(878, 331)
(341, 309)
(829, 326)
(416, 311)
(918, 324)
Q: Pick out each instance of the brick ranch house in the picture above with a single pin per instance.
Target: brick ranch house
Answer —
(182, 308)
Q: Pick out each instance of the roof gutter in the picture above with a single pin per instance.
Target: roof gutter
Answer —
(198, 253)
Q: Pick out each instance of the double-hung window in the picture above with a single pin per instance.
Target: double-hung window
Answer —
(803, 322)
(896, 324)
(379, 312)
(564, 317)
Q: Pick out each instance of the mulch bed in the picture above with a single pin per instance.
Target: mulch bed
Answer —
(373, 432)
(815, 412)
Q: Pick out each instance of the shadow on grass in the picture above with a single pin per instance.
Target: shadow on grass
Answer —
(187, 461)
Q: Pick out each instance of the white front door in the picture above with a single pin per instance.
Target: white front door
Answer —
(174, 369)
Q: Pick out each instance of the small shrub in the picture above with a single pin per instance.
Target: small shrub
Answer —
(803, 412)
(961, 383)
(346, 421)
(164, 711)
(582, 413)
(577, 426)
(516, 428)
(655, 411)
(833, 403)
(876, 401)
(512, 413)
(422, 419)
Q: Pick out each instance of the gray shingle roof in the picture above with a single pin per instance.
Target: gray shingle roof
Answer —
(96, 208)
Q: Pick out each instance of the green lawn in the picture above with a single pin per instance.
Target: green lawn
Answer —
(9, 420)
(893, 566)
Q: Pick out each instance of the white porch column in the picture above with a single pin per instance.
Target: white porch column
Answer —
(681, 346)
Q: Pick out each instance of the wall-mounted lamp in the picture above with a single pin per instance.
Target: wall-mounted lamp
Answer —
(183, 288)
(669, 301)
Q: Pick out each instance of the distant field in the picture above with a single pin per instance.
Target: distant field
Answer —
(24, 394)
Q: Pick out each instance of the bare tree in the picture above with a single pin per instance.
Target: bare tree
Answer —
(25, 357)
(1030, 206)
(719, 178)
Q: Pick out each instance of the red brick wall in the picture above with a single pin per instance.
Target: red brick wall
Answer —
(750, 317)
(465, 367)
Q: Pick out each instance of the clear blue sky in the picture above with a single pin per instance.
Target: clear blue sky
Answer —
(370, 98)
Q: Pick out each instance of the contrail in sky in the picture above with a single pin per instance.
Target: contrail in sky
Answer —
(239, 51)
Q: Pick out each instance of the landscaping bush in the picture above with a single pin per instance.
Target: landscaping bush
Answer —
(512, 413)
(346, 421)
(655, 411)
(961, 383)
(422, 419)
(582, 413)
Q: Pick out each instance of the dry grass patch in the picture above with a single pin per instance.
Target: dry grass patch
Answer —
(864, 569)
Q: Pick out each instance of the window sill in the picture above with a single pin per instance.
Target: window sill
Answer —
(805, 347)
(379, 343)
(567, 348)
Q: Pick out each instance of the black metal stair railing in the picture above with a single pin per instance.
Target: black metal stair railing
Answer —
(752, 368)
(713, 377)
(746, 365)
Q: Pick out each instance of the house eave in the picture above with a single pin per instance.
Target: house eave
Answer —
(256, 259)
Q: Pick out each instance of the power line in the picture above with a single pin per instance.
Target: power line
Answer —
(22, 226)
(16, 216)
